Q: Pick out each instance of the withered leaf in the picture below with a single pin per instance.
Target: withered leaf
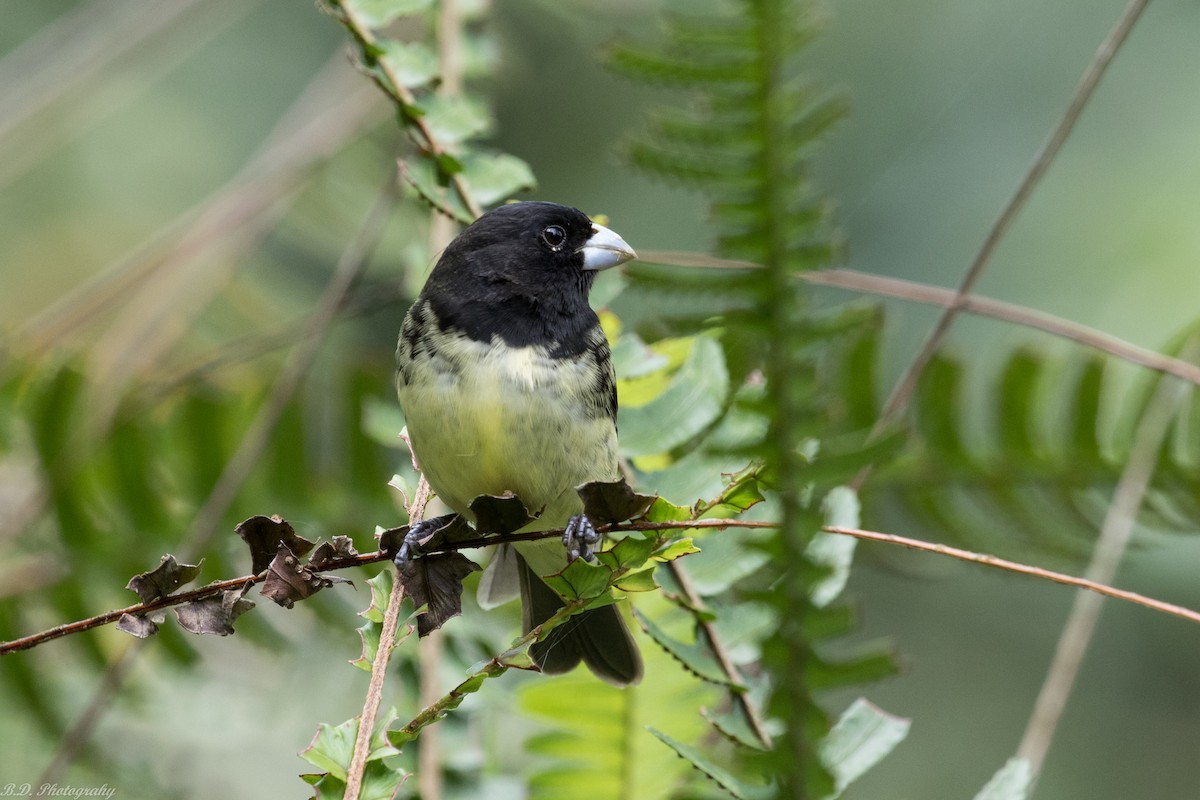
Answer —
(159, 582)
(142, 626)
(263, 536)
(500, 514)
(606, 502)
(214, 614)
(455, 529)
(340, 547)
(435, 581)
(289, 581)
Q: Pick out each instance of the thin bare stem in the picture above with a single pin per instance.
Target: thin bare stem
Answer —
(1110, 547)
(387, 643)
(898, 400)
(899, 288)
(709, 629)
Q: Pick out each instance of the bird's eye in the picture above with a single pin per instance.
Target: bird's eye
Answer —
(553, 236)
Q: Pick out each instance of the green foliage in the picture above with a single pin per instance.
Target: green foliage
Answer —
(1031, 468)
(745, 139)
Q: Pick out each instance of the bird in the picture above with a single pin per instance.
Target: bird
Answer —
(506, 381)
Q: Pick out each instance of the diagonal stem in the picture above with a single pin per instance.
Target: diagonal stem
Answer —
(898, 400)
(1106, 557)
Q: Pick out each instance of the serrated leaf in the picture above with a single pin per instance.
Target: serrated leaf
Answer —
(862, 736)
(607, 502)
(500, 514)
(332, 747)
(696, 657)
(580, 579)
(142, 626)
(731, 783)
(676, 549)
(414, 64)
(263, 535)
(494, 178)
(640, 581)
(289, 581)
(164, 579)
(378, 13)
(214, 615)
(381, 590)
(1012, 782)
(435, 582)
(733, 725)
(452, 119)
(341, 547)
(692, 402)
(369, 633)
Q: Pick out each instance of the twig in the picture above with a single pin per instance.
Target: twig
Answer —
(709, 628)
(363, 559)
(1023, 569)
(898, 400)
(1007, 312)
(883, 286)
(396, 89)
(1110, 548)
(387, 643)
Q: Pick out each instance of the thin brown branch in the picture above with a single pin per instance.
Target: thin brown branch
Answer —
(387, 643)
(717, 645)
(901, 289)
(1110, 548)
(364, 559)
(1023, 569)
(898, 400)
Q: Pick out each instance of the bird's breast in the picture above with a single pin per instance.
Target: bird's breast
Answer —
(486, 418)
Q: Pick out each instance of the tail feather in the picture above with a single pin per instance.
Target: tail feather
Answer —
(598, 636)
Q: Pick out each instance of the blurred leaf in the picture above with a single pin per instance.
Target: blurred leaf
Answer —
(696, 657)
(414, 63)
(496, 177)
(833, 551)
(1013, 781)
(862, 736)
(735, 785)
(378, 13)
(692, 402)
(452, 119)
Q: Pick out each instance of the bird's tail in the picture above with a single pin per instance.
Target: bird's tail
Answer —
(597, 636)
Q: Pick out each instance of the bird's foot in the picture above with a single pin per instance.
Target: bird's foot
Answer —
(579, 537)
(410, 548)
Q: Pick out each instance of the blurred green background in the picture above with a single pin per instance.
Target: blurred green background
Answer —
(117, 118)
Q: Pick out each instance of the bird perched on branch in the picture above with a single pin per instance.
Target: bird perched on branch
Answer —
(507, 385)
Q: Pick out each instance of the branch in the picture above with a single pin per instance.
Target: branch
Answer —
(387, 643)
(898, 400)
(1022, 569)
(403, 98)
(1106, 557)
(364, 559)
(883, 286)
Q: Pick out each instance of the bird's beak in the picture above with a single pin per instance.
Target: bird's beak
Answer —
(605, 249)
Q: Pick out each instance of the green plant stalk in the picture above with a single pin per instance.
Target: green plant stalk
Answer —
(802, 775)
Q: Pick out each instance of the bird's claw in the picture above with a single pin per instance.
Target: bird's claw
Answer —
(410, 548)
(579, 537)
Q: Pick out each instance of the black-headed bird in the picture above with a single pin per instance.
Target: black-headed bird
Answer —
(507, 385)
